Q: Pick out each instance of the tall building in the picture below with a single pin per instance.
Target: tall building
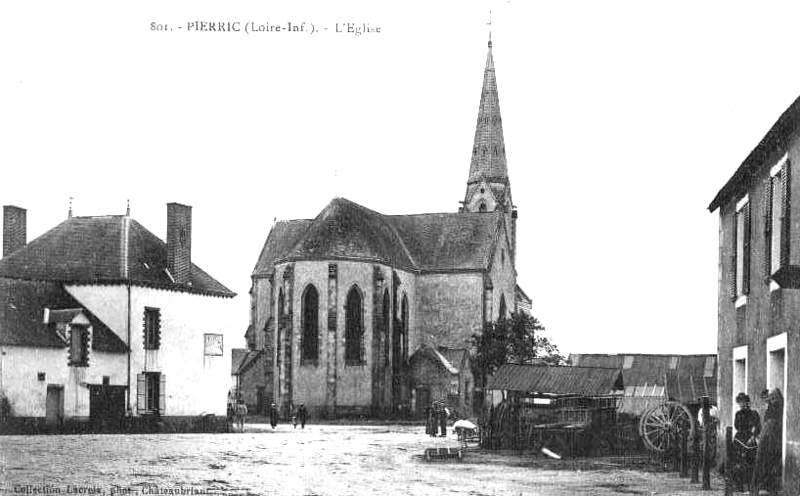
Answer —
(759, 282)
(342, 303)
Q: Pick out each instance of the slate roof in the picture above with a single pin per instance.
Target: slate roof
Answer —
(651, 369)
(280, 240)
(422, 242)
(556, 380)
(22, 305)
(92, 250)
(776, 138)
(345, 230)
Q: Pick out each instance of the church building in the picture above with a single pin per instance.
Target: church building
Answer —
(342, 302)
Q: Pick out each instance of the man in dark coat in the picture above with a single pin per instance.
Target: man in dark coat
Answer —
(273, 415)
(748, 426)
(442, 419)
(302, 415)
(769, 458)
(430, 414)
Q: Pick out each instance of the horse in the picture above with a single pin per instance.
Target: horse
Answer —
(240, 415)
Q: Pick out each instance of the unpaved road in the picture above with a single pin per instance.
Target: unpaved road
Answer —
(320, 460)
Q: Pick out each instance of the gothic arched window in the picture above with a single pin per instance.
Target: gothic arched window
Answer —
(386, 317)
(354, 328)
(482, 207)
(502, 314)
(310, 343)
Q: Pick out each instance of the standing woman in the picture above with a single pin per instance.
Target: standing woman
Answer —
(769, 459)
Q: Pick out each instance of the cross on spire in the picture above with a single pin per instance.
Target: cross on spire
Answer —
(490, 27)
(69, 213)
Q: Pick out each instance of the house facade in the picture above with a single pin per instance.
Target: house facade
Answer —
(342, 301)
(101, 320)
(759, 278)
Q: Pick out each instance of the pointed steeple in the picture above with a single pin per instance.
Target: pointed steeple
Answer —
(488, 149)
(487, 186)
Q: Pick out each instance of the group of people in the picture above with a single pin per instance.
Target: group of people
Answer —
(758, 448)
(237, 413)
(299, 415)
(437, 414)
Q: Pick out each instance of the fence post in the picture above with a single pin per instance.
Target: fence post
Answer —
(695, 451)
(728, 461)
(706, 444)
(684, 451)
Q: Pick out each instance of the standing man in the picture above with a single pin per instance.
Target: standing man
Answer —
(443, 419)
(302, 414)
(430, 425)
(273, 415)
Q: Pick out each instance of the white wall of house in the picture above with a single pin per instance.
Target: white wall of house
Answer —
(20, 367)
(195, 383)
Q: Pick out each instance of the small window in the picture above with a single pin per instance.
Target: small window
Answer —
(152, 328)
(482, 207)
(78, 346)
(41, 376)
(673, 362)
(503, 258)
(627, 362)
(151, 393)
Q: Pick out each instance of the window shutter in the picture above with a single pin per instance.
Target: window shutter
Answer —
(162, 394)
(785, 214)
(746, 250)
(141, 393)
(84, 346)
(732, 258)
(767, 262)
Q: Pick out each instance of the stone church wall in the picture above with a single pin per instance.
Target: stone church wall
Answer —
(504, 280)
(449, 308)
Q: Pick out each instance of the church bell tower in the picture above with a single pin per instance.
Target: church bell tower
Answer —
(488, 188)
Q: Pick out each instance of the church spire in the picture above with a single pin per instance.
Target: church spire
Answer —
(488, 168)
(488, 150)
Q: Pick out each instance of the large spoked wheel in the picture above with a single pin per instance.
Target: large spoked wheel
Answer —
(661, 425)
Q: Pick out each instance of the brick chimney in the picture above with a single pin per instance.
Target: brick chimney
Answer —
(179, 242)
(14, 229)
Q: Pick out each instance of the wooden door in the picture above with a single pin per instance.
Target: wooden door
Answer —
(54, 405)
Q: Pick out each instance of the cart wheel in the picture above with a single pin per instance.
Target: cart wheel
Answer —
(660, 426)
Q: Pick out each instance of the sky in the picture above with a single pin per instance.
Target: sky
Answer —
(622, 119)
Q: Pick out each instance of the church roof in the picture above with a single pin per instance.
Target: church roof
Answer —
(346, 230)
(104, 249)
(449, 241)
(22, 305)
(488, 150)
